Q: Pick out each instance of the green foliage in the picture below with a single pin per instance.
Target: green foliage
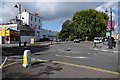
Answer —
(85, 23)
(67, 30)
(89, 23)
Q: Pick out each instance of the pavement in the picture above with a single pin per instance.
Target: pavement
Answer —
(28, 44)
(52, 69)
(104, 47)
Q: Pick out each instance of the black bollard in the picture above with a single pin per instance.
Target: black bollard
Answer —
(19, 44)
(25, 44)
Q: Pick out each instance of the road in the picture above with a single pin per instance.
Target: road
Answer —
(80, 54)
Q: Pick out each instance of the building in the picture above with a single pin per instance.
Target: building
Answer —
(27, 26)
(33, 20)
(17, 32)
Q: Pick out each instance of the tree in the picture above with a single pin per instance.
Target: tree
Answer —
(89, 23)
(67, 30)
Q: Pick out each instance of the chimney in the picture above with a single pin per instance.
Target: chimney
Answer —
(36, 13)
(24, 10)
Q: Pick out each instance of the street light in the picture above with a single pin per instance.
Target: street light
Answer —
(110, 38)
(18, 6)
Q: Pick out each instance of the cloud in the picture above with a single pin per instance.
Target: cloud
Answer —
(47, 10)
(107, 6)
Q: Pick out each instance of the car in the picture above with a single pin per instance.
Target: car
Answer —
(76, 40)
(97, 40)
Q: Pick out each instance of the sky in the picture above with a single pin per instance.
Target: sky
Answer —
(54, 13)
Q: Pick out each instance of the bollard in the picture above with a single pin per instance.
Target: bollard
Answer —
(94, 44)
(26, 58)
(19, 44)
(25, 44)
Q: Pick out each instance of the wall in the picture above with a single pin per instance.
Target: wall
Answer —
(25, 15)
(26, 38)
(35, 24)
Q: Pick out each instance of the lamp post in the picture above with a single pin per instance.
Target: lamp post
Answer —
(18, 6)
(110, 38)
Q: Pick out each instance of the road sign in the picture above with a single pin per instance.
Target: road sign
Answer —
(4, 32)
(7, 33)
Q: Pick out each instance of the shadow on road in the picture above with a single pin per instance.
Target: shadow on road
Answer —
(10, 51)
(36, 70)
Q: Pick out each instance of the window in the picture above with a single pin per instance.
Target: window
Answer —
(22, 17)
(39, 20)
(35, 19)
(39, 27)
(31, 18)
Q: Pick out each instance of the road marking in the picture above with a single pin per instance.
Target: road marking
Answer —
(89, 53)
(3, 63)
(70, 64)
(78, 57)
(15, 59)
(10, 64)
(95, 49)
(104, 50)
(76, 52)
(88, 67)
(115, 51)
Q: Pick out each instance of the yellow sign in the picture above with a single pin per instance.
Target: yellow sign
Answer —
(3, 28)
(5, 33)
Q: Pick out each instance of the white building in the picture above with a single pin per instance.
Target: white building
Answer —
(29, 26)
(35, 22)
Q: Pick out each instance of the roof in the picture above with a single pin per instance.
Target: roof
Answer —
(35, 15)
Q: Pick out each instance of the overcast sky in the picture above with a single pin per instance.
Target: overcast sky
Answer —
(55, 13)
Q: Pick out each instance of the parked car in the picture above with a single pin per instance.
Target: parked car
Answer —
(97, 40)
(76, 40)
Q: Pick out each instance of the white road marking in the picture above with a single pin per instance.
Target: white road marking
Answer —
(75, 52)
(89, 53)
(115, 51)
(15, 59)
(3, 63)
(104, 50)
(77, 57)
(15, 56)
(95, 49)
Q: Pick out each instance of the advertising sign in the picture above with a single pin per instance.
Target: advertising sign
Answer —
(108, 25)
